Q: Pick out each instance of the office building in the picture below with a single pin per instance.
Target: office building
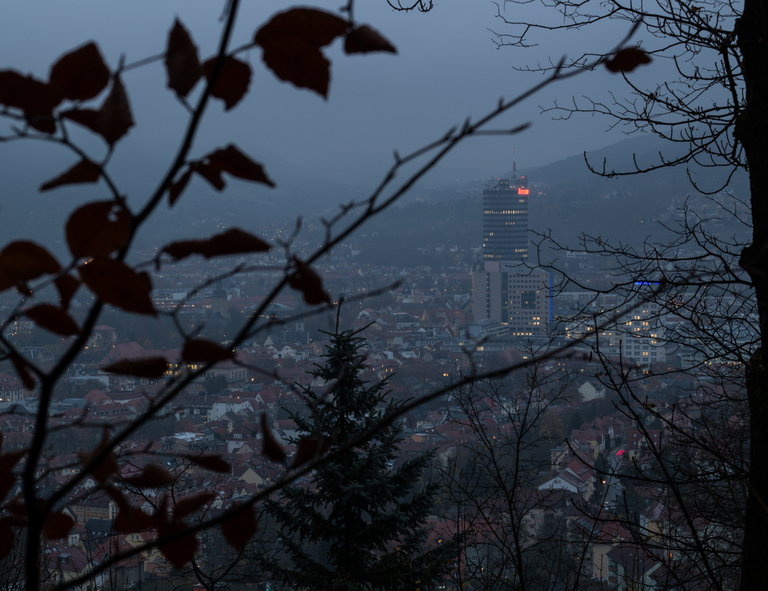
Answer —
(514, 296)
(505, 220)
(633, 330)
(504, 289)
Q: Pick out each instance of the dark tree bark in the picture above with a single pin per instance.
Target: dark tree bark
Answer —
(752, 132)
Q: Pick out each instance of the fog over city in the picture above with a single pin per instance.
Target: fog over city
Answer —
(262, 330)
(448, 68)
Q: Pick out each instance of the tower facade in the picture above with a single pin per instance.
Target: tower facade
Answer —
(504, 289)
(219, 301)
(505, 220)
(519, 298)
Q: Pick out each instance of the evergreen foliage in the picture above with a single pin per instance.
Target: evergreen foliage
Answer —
(215, 383)
(360, 524)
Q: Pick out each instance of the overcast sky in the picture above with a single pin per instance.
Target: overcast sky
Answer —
(447, 68)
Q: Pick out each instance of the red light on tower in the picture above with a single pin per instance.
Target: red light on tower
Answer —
(522, 191)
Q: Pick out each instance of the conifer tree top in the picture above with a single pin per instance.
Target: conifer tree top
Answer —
(360, 523)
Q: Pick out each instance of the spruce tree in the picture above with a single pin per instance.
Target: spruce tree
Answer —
(358, 525)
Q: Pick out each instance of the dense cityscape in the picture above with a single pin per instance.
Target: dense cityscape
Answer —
(590, 441)
(288, 305)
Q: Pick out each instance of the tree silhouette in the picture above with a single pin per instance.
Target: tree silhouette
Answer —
(83, 92)
(714, 109)
(361, 523)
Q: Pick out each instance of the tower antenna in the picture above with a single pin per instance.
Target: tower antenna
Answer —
(514, 164)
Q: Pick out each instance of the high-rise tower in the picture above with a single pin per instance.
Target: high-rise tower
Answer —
(505, 289)
(505, 221)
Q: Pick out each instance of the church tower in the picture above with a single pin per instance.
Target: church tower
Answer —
(219, 303)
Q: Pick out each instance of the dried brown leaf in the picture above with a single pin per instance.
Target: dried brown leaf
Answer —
(270, 447)
(304, 69)
(80, 74)
(98, 229)
(310, 26)
(627, 59)
(308, 282)
(191, 503)
(23, 260)
(6, 282)
(58, 526)
(112, 121)
(232, 161)
(239, 528)
(21, 368)
(7, 538)
(308, 449)
(182, 63)
(67, 286)
(214, 463)
(148, 367)
(54, 319)
(152, 476)
(36, 98)
(9, 460)
(116, 283)
(116, 113)
(15, 89)
(234, 80)
(179, 551)
(133, 520)
(209, 173)
(205, 351)
(291, 43)
(365, 39)
(107, 466)
(83, 172)
(176, 189)
(233, 241)
(90, 118)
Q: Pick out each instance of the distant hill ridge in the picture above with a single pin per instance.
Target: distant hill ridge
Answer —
(625, 208)
(645, 150)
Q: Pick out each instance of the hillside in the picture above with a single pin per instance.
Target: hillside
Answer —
(572, 200)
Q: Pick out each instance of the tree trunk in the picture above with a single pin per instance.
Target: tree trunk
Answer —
(752, 131)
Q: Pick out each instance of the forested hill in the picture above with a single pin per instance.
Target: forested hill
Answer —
(566, 198)
(573, 200)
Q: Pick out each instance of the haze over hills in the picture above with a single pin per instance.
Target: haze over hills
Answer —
(628, 207)
(29, 214)
(643, 150)
(570, 200)
(566, 198)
